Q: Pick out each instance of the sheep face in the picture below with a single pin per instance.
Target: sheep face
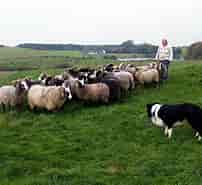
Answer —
(20, 87)
(83, 76)
(92, 77)
(81, 83)
(66, 87)
(26, 84)
(46, 80)
(42, 76)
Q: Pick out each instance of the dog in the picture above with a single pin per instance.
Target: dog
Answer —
(169, 116)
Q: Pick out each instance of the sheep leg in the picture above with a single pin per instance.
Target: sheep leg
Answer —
(31, 106)
(3, 108)
(8, 107)
(157, 84)
(51, 107)
(19, 107)
(105, 100)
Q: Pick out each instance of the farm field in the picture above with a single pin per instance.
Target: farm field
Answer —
(88, 144)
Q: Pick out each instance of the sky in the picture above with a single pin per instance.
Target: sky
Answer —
(100, 21)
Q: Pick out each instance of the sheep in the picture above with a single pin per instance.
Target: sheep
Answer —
(97, 92)
(132, 70)
(144, 67)
(51, 98)
(91, 78)
(121, 81)
(147, 76)
(11, 96)
(114, 88)
(126, 79)
(50, 80)
(29, 82)
(109, 67)
(63, 76)
(42, 76)
(59, 77)
(122, 66)
(153, 65)
(70, 82)
(112, 82)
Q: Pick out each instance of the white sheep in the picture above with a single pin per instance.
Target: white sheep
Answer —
(147, 76)
(11, 96)
(51, 98)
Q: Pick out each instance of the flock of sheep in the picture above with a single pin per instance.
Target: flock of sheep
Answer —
(109, 83)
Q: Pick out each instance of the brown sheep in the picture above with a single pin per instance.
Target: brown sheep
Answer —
(97, 92)
(126, 80)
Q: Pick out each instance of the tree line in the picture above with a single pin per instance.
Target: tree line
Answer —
(145, 49)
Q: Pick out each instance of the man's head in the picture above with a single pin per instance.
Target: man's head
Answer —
(164, 42)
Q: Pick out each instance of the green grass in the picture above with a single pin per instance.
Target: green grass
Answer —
(19, 59)
(103, 145)
(9, 52)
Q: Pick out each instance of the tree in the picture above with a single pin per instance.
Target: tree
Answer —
(128, 43)
(195, 51)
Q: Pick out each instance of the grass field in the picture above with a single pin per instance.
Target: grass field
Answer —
(102, 144)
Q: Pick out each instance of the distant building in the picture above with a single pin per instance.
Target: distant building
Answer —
(134, 59)
(97, 52)
(93, 52)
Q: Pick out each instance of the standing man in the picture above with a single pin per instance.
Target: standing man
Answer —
(164, 55)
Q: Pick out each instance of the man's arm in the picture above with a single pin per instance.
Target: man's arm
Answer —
(157, 54)
(171, 54)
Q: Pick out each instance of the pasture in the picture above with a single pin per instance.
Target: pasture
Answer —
(88, 144)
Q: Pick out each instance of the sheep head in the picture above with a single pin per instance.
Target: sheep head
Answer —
(21, 87)
(42, 76)
(66, 87)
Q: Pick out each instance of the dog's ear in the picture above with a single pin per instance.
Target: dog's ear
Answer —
(148, 109)
(149, 105)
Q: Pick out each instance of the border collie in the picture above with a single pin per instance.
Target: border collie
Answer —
(169, 116)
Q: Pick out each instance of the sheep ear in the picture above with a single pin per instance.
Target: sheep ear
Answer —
(15, 83)
(82, 82)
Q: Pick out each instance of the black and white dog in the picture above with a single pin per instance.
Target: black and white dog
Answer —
(169, 116)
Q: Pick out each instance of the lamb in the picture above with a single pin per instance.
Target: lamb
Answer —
(97, 92)
(11, 96)
(51, 98)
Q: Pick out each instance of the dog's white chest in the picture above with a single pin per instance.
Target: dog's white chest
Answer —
(178, 123)
(157, 121)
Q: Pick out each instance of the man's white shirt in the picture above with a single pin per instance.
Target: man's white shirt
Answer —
(164, 53)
